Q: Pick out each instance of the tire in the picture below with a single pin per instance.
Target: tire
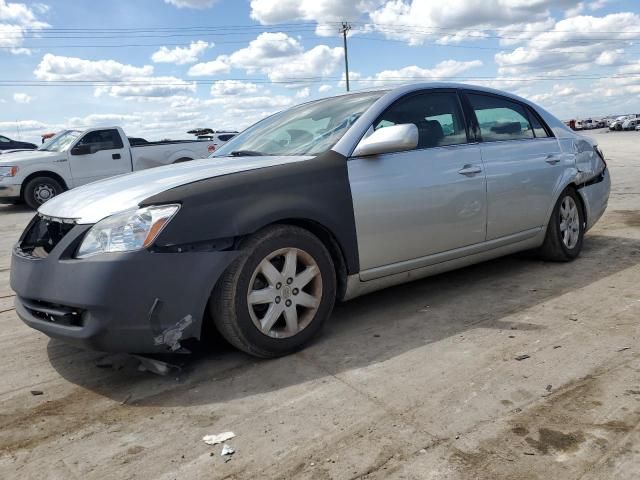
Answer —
(565, 231)
(38, 190)
(261, 326)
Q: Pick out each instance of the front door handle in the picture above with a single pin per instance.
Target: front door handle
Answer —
(116, 156)
(470, 170)
(552, 159)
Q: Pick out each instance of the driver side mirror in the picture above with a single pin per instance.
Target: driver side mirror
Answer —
(396, 138)
(81, 150)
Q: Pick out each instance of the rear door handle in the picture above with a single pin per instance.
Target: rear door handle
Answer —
(116, 156)
(470, 170)
(552, 159)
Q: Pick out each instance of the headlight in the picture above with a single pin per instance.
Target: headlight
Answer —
(8, 171)
(126, 232)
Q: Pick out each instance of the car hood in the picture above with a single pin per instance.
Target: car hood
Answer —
(93, 202)
(13, 157)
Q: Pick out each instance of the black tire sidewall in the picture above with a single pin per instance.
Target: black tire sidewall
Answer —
(29, 191)
(302, 241)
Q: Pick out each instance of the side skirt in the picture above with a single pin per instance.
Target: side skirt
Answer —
(356, 287)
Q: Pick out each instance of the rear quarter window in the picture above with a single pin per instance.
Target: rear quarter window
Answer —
(500, 119)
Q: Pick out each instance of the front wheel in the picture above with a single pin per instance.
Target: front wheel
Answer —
(277, 295)
(565, 232)
(40, 190)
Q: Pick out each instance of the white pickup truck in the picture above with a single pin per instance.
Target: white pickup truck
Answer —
(73, 158)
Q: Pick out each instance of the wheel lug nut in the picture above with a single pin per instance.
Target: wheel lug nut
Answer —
(277, 299)
(288, 303)
(278, 285)
(295, 291)
(289, 281)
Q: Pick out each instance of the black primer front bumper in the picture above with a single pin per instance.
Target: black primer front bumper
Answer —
(137, 302)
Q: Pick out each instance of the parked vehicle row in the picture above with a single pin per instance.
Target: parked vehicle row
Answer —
(9, 145)
(73, 158)
(325, 201)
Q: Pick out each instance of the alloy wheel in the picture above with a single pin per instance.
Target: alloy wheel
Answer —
(569, 222)
(284, 292)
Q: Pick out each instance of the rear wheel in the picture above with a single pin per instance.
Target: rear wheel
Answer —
(565, 232)
(276, 296)
(39, 190)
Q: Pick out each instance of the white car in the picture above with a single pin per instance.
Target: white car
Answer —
(630, 124)
(73, 158)
(218, 137)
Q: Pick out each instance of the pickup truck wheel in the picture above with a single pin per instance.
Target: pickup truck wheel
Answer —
(40, 190)
(276, 296)
(565, 232)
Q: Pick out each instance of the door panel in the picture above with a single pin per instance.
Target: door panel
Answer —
(413, 204)
(522, 176)
(108, 157)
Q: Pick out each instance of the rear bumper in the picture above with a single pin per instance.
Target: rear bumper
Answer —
(9, 193)
(133, 302)
(595, 197)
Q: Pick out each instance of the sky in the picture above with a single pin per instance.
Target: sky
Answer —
(161, 67)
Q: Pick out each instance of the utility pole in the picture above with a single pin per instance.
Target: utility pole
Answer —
(345, 28)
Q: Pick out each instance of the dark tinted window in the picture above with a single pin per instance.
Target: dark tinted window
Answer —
(225, 138)
(102, 140)
(437, 116)
(500, 119)
(538, 129)
(4, 140)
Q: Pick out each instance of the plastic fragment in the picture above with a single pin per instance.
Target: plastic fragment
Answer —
(219, 438)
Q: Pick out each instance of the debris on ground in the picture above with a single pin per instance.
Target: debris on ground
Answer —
(36, 392)
(126, 399)
(219, 438)
(573, 317)
(522, 357)
(623, 349)
(549, 387)
(557, 346)
(227, 450)
(153, 365)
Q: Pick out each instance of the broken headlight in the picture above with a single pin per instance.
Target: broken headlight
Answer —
(126, 232)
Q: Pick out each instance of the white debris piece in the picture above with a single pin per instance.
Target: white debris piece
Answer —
(216, 439)
(227, 450)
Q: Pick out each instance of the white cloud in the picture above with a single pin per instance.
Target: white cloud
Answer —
(416, 21)
(573, 44)
(16, 19)
(283, 59)
(143, 87)
(442, 71)
(225, 88)
(57, 68)
(24, 125)
(327, 13)
(198, 4)
(302, 93)
(181, 55)
(324, 88)
(129, 80)
(215, 67)
(22, 98)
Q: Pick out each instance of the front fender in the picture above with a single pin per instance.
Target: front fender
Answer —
(239, 204)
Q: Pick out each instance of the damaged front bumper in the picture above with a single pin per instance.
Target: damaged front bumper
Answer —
(136, 302)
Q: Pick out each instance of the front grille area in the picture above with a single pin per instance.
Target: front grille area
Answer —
(54, 313)
(42, 236)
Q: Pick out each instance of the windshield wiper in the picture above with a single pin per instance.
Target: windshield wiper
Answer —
(246, 153)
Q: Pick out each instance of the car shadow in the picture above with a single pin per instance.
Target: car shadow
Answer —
(362, 332)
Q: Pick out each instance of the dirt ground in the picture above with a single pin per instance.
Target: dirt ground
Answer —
(415, 382)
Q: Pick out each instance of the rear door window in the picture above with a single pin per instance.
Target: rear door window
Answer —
(102, 140)
(500, 119)
(437, 115)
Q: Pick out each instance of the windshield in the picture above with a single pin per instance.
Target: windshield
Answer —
(308, 129)
(61, 142)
